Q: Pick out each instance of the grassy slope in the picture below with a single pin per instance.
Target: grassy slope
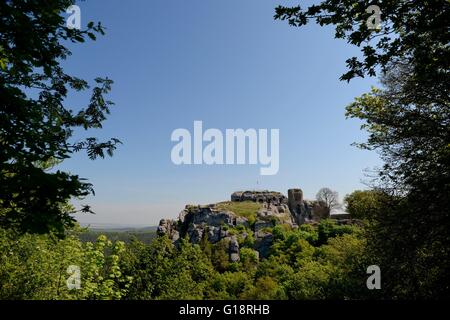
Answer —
(146, 235)
(247, 209)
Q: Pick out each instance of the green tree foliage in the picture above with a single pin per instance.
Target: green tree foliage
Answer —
(407, 216)
(306, 268)
(310, 282)
(329, 229)
(336, 271)
(293, 250)
(364, 204)
(35, 267)
(411, 30)
(409, 232)
(275, 268)
(36, 124)
(265, 288)
(164, 271)
(249, 259)
(408, 122)
(348, 260)
(230, 285)
(150, 265)
(220, 256)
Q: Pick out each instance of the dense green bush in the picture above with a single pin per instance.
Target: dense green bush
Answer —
(35, 267)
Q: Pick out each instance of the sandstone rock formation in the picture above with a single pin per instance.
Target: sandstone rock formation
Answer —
(234, 250)
(213, 223)
(304, 211)
(259, 196)
(167, 227)
(263, 243)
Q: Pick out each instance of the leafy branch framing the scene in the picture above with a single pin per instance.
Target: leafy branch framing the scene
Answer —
(36, 123)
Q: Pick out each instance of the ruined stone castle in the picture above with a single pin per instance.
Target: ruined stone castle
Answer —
(212, 222)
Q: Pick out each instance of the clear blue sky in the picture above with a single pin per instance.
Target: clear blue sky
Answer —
(229, 64)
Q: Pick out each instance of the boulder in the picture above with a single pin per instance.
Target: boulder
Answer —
(167, 227)
(195, 233)
(215, 234)
(233, 250)
(262, 224)
(263, 242)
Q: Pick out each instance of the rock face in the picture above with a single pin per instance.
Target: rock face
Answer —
(197, 220)
(208, 215)
(266, 196)
(234, 250)
(297, 206)
(263, 243)
(214, 224)
(318, 210)
(304, 211)
(167, 227)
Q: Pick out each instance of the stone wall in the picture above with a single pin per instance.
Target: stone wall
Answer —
(259, 196)
(304, 211)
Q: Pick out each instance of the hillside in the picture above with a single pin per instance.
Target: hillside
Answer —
(248, 218)
(145, 235)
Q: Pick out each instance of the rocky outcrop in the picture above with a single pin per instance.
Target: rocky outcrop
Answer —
(318, 210)
(261, 225)
(305, 211)
(266, 196)
(206, 215)
(167, 227)
(214, 224)
(197, 222)
(263, 242)
(233, 250)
